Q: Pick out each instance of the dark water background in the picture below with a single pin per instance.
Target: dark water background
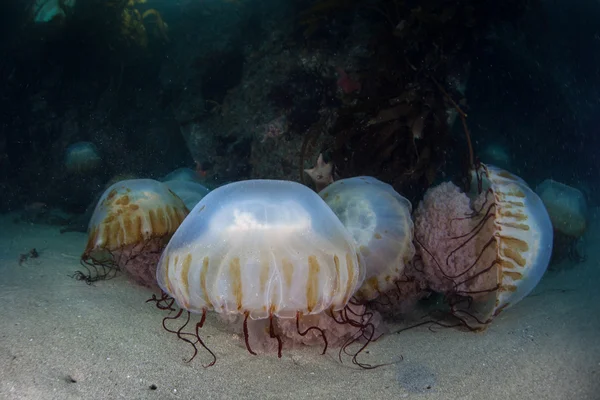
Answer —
(204, 91)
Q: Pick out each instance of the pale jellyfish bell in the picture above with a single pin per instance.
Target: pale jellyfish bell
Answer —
(189, 192)
(273, 261)
(82, 157)
(379, 219)
(183, 174)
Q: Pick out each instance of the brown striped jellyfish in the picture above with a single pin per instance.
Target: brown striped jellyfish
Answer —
(274, 262)
(485, 252)
(379, 220)
(131, 225)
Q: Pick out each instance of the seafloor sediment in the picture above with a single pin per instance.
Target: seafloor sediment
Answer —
(62, 339)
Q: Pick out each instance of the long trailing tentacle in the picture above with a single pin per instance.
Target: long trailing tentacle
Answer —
(273, 335)
(165, 302)
(304, 333)
(96, 270)
(364, 333)
(198, 326)
(246, 338)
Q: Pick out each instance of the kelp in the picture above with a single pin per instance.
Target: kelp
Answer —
(132, 22)
(396, 128)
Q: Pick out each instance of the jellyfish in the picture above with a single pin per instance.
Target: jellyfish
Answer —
(51, 10)
(498, 154)
(273, 260)
(568, 210)
(379, 220)
(130, 226)
(190, 192)
(182, 174)
(82, 157)
(487, 252)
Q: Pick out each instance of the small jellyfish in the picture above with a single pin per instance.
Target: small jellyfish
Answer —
(190, 192)
(182, 174)
(130, 226)
(273, 260)
(379, 220)
(82, 157)
(485, 253)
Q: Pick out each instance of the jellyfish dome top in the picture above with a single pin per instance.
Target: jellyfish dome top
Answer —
(379, 220)
(270, 253)
(130, 226)
(182, 174)
(488, 252)
(82, 157)
(189, 192)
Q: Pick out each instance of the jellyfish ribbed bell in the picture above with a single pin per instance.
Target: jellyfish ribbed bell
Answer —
(488, 251)
(132, 211)
(262, 248)
(380, 221)
(131, 224)
(523, 234)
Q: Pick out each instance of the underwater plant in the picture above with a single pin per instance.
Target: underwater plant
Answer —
(132, 22)
(398, 95)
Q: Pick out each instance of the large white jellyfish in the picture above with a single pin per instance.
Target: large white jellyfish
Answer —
(379, 220)
(272, 257)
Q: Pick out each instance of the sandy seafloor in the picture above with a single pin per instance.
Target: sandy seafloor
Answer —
(54, 329)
